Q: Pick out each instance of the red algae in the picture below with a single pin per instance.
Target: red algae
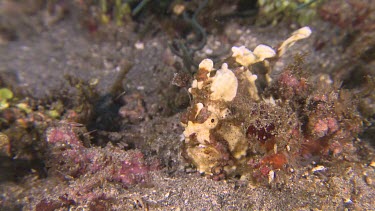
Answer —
(70, 156)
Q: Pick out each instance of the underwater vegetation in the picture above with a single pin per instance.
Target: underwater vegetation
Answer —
(274, 11)
(244, 123)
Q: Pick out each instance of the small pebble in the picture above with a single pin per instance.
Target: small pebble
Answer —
(271, 176)
(368, 180)
(139, 45)
(318, 168)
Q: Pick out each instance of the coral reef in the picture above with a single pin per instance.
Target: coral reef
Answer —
(80, 171)
(242, 122)
(68, 154)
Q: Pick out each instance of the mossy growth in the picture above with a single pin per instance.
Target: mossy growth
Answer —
(273, 11)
